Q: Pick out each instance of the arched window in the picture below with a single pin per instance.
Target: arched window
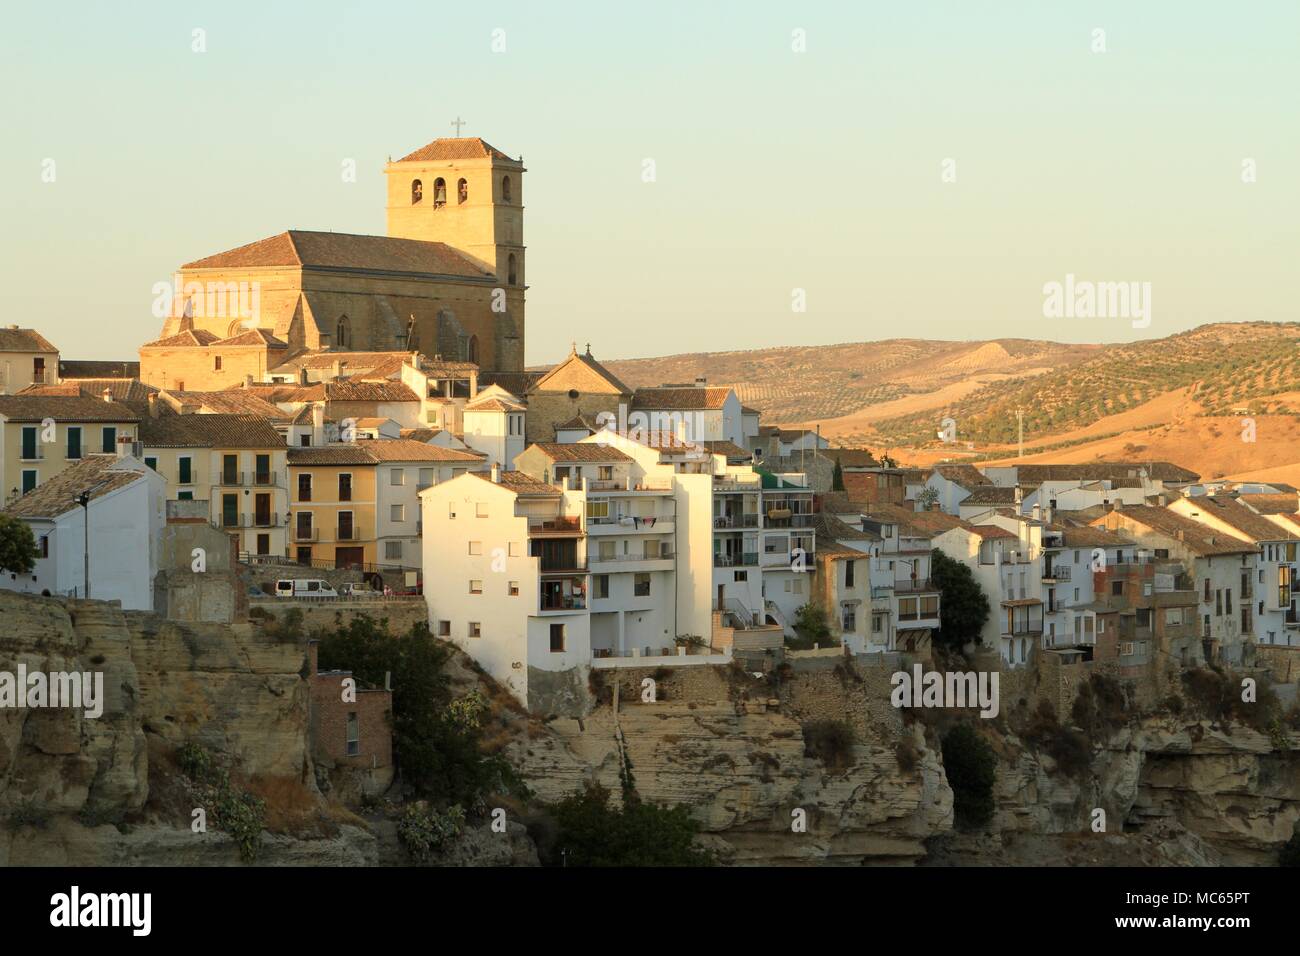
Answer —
(343, 334)
(473, 349)
(439, 193)
(462, 191)
(505, 189)
(417, 191)
(510, 267)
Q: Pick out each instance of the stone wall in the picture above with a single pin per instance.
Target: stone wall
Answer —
(400, 615)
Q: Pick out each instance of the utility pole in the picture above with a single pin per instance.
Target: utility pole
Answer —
(83, 499)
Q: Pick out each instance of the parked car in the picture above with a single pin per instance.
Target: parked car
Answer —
(304, 588)
(359, 591)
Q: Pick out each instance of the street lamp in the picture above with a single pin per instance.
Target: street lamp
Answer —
(83, 499)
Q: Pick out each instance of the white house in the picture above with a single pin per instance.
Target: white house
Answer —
(494, 425)
(121, 526)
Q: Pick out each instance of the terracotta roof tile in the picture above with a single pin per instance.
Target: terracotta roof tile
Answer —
(581, 451)
(98, 474)
(24, 340)
(347, 252)
(64, 408)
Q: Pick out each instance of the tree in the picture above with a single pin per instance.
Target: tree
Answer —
(17, 546)
(963, 606)
(811, 627)
(971, 768)
(926, 498)
(591, 833)
(434, 744)
(837, 477)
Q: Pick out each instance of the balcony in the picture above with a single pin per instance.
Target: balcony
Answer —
(554, 527)
(915, 586)
(1054, 573)
(348, 533)
(36, 453)
(629, 524)
(266, 520)
(304, 535)
(805, 557)
(735, 521)
(748, 559)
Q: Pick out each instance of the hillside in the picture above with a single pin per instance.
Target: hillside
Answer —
(1180, 397)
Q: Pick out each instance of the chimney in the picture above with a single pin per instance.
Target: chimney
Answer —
(318, 425)
(124, 444)
(1019, 495)
(1119, 504)
(1163, 500)
(415, 360)
(302, 376)
(108, 395)
(1038, 512)
(248, 381)
(496, 474)
(338, 370)
(153, 405)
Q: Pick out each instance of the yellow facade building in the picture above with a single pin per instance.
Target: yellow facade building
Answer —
(41, 435)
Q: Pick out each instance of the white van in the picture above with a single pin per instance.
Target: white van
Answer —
(304, 588)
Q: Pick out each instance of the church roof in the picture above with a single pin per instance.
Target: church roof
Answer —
(583, 359)
(258, 337)
(345, 251)
(190, 337)
(467, 147)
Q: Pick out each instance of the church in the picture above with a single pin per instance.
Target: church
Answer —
(447, 280)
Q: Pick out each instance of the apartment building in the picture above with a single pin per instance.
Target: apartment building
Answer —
(404, 468)
(1216, 560)
(858, 616)
(1072, 557)
(1266, 592)
(789, 556)
(41, 435)
(237, 463)
(905, 599)
(507, 580)
(332, 506)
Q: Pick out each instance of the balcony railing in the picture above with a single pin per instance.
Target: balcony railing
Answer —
(735, 560)
(306, 534)
(1056, 573)
(661, 556)
(727, 522)
(555, 526)
(353, 533)
(272, 520)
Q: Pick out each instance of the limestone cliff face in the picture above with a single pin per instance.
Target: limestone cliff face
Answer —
(742, 769)
(62, 774)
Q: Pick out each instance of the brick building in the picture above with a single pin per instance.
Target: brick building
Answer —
(352, 739)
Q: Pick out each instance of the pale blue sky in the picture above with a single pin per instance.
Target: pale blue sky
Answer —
(776, 170)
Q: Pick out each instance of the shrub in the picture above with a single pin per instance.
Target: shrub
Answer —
(28, 813)
(810, 627)
(423, 830)
(908, 757)
(830, 741)
(971, 768)
(591, 833)
(237, 812)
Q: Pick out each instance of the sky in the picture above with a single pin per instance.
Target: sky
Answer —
(822, 172)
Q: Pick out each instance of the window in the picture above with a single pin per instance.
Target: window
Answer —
(343, 333)
(304, 487)
(393, 550)
(262, 469)
(476, 547)
(74, 444)
(184, 496)
(230, 511)
(475, 629)
(345, 487)
(1227, 600)
(475, 586)
(185, 470)
(397, 476)
(354, 739)
(230, 469)
(605, 473)
(426, 477)
(641, 585)
(38, 371)
(462, 191)
(740, 576)
(512, 588)
(1117, 588)
(397, 512)
(601, 582)
(848, 575)
(472, 355)
(30, 452)
(1207, 592)
(597, 509)
(557, 638)
(29, 479)
(511, 274)
(1218, 604)
(216, 363)
(45, 546)
(451, 510)
(439, 193)
(152, 463)
(505, 189)
(417, 191)
(109, 436)
(444, 628)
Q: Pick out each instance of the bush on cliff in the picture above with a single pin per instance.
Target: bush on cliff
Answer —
(589, 832)
(969, 762)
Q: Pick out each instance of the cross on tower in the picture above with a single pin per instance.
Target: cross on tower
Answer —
(458, 123)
